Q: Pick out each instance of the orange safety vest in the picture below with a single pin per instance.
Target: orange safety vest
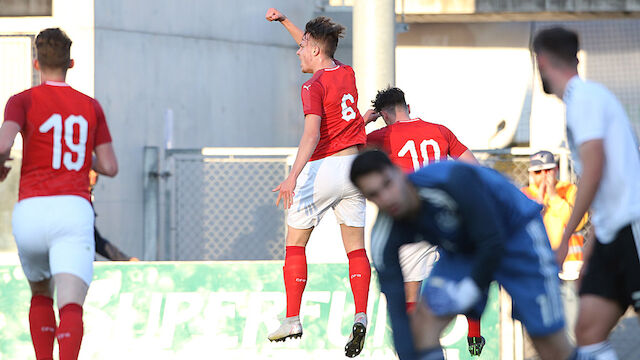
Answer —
(576, 241)
(557, 220)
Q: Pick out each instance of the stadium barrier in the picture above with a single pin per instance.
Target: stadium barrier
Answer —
(219, 310)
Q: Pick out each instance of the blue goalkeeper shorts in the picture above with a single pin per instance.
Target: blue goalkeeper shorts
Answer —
(527, 271)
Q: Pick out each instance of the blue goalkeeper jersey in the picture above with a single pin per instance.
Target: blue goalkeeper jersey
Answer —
(464, 209)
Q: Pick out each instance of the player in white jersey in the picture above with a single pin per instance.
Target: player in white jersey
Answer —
(605, 154)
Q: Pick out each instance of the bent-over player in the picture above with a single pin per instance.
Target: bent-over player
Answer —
(486, 229)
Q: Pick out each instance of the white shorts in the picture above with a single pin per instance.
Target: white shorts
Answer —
(54, 235)
(417, 260)
(325, 184)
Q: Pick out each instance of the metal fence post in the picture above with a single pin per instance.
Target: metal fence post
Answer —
(150, 203)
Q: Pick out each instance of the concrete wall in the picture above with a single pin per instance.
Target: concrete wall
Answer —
(230, 77)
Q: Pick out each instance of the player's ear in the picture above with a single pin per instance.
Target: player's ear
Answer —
(408, 109)
(36, 64)
(541, 59)
(71, 63)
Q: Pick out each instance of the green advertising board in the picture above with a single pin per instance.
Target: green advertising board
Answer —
(218, 310)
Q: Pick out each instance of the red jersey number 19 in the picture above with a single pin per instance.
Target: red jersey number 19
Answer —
(348, 113)
(55, 123)
(410, 147)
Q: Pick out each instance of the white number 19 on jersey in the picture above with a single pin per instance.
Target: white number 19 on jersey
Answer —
(55, 123)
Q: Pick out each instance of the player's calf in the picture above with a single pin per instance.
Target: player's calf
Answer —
(70, 331)
(42, 323)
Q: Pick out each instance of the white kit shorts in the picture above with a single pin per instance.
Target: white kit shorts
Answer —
(417, 260)
(54, 235)
(325, 184)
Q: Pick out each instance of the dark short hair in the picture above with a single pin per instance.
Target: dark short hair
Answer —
(369, 161)
(388, 97)
(326, 33)
(559, 42)
(54, 49)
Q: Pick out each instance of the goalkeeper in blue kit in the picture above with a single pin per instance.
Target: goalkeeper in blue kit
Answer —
(486, 230)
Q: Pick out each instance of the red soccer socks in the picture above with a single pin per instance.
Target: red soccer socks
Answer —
(410, 306)
(295, 278)
(474, 327)
(70, 331)
(42, 323)
(359, 276)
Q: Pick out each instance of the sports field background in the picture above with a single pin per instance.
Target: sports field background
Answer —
(177, 77)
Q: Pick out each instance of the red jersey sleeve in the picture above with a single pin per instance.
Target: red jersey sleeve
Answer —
(102, 130)
(456, 148)
(375, 139)
(312, 94)
(16, 109)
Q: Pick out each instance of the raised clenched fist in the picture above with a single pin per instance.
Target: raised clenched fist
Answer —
(274, 15)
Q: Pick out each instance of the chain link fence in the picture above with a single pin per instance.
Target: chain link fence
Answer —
(219, 204)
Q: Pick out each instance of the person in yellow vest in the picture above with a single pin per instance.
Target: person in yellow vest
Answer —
(558, 198)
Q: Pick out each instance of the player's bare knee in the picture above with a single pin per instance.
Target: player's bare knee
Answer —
(70, 289)
(427, 327)
(553, 346)
(297, 237)
(352, 237)
(589, 330)
(41, 288)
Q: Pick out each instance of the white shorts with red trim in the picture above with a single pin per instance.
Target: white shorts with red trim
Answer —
(417, 260)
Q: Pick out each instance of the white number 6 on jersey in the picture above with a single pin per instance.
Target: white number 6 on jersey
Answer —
(348, 113)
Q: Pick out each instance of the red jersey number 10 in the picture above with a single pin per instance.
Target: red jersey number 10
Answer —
(410, 148)
(55, 123)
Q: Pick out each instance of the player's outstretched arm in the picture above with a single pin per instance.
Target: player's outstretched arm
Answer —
(308, 143)
(8, 133)
(105, 162)
(275, 15)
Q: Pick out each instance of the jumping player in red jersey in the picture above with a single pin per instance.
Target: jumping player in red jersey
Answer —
(412, 144)
(53, 220)
(319, 177)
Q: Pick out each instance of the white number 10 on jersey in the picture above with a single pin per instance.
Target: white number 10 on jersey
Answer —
(410, 147)
(55, 123)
